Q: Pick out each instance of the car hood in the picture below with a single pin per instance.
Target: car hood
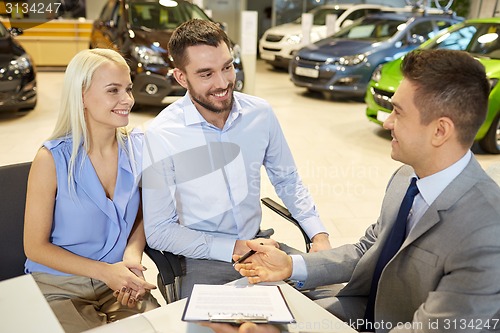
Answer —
(492, 67)
(328, 48)
(152, 38)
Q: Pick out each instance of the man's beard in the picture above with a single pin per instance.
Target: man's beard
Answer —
(204, 102)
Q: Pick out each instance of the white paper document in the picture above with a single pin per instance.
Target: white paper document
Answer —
(236, 304)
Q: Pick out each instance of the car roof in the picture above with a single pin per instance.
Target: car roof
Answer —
(484, 20)
(349, 5)
(408, 15)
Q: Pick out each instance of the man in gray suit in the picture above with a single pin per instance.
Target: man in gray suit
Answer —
(445, 275)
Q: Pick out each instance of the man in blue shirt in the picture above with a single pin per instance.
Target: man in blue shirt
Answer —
(202, 164)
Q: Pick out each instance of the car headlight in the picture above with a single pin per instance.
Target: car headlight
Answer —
(18, 66)
(147, 56)
(236, 54)
(377, 73)
(352, 60)
(294, 39)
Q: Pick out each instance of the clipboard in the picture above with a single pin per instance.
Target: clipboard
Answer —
(237, 304)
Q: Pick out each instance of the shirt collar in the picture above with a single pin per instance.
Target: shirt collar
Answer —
(430, 187)
(192, 116)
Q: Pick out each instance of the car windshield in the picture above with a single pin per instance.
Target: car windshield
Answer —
(319, 15)
(371, 29)
(480, 39)
(163, 14)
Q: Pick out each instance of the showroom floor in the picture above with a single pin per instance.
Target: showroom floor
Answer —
(342, 157)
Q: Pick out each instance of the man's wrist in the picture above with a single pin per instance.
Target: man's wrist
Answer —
(298, 268)
(322, 236)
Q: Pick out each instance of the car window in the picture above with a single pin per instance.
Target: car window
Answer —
(117, 14)
(443, 24)
(360, 13)
(107, 11)
(486, 41)
(455, 40)
(439, 26)
(371, 29)
(319, 15)
(153, 15)
(422, 29)
(195, 12)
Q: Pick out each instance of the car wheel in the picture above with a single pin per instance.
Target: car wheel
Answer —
(491, 141)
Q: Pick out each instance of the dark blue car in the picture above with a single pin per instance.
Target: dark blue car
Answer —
(343, 63)
(17, 74)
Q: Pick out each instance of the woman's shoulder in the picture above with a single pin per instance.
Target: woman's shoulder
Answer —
(58, 143)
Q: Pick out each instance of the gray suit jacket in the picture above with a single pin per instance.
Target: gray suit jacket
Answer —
(446, 274)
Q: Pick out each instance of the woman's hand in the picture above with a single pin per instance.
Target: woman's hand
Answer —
(128, 297)
(128, 282)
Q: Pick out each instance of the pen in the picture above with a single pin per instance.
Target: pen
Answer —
(245, 256)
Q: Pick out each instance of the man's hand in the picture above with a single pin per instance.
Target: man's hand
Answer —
(241, 247)
(243, 328)
(267, 264)
(320, 243)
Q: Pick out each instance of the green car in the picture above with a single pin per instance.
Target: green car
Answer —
(479, 37)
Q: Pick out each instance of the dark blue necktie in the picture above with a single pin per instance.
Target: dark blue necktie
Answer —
(391, 246)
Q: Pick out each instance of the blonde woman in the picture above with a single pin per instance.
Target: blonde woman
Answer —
(84, 233)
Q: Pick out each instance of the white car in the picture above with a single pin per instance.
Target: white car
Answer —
(278, 43)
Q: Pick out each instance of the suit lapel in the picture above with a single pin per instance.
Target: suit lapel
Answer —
(451, 194)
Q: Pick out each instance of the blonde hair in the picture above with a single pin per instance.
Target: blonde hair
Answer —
(77, 81)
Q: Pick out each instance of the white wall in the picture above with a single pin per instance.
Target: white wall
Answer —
(229, 13)
(93, 8)
(484, 8)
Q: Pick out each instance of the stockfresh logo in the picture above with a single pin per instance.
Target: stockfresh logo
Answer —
(24, 15)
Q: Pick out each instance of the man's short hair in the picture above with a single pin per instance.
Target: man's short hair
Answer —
(449, 84)
(191, 33)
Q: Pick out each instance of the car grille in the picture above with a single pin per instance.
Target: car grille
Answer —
(319, 81)
(324, 76)
(274, 38)
(308, 63)
(382, 98)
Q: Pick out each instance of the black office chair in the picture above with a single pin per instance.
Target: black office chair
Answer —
(13, 182)
(169, 266)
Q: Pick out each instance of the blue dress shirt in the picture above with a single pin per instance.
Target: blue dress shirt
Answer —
(201, 184)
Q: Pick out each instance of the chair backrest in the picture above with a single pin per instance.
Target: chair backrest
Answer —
(13, 182)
